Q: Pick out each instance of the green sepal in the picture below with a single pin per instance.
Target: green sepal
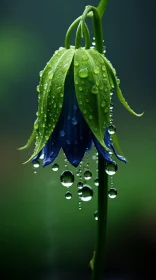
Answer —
(51, 93)
(116, 144)
(92, 91)
(29, 142)
(114, 81)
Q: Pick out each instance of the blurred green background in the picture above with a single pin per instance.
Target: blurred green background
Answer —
(42, 235)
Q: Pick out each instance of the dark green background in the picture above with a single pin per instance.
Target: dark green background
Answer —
(43, 236)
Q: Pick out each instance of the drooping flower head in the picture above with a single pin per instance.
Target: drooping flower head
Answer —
(74, 99)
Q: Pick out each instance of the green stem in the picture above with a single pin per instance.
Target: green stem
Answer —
(101, 7)
(69, 32)
(78, 37)
(98, 262)
(97, 25)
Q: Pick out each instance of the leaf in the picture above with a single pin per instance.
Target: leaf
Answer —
(92, 91)
(112, 73)
(30, 140)
(51, 93)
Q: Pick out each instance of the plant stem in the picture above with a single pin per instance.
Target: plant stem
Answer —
(101, 7)
(98, 262)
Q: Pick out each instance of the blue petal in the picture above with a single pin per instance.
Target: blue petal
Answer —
(75, 135)
(36, 157)
(52, 148)
(109, 144)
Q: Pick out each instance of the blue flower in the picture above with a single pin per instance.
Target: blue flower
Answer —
(74, 106)
(73, 134)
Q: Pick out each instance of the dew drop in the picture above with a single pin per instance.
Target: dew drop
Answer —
(80, 192)
(94, 90)
(84, 112)
(68, 195)
(96, 215)
(74, 121)
(36, 125)
(67, 178)
(87, 174)
(96, 182)
(111, 129)
(50, 74)
(103, 68)
(76, 63)
(85, 58)
(103, 104)
(80, 89)
(87, 193)
(90, 117)
(96, 70)
(111, 168)
(62, 133)
(83, 73)
(112, 193)
(35, 172)
(36, 164)
(55, 167)
(65, 68)
(38, 88)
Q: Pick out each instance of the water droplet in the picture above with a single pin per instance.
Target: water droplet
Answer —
(76, 63)
(67, 178)
(94, 90)
(62, 133)
(80, 88)
(74, 121)
(55, 167)
(90, 117)
(36, 124)
(50, 74)
(112, 193)
(93, 44)
(85, 58)
(111, 168)
(79, 185)
(38, 88)
(35, 172)
(36, 164)
(84, 112)
(103, 104)
(103, 68)
(83, 73)
(68, 195)
(96, 70)
(75, 107)
(65, 68)
(87, 193)
(58, 90)
(80, 192)
(41, 73)
(87, 174)
(96, 182)
(96, 215)
(111, 129)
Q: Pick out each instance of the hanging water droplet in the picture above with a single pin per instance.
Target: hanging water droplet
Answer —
(80, 192)
(111, 129)
(55, 167)
(68, 195)
(35, 172)
(83, 73)
(67, 178)
(96, 182)
(111, 168)
(87, 193)
(36, 164)
(50, 74)
(62, 133)
(112, 193)
(87, 174)
(96, 215)
(94, 90)
(79, 185)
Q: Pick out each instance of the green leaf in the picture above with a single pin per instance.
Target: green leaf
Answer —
(113, 77)
(30, 140)
(92, 90)
(51, 93)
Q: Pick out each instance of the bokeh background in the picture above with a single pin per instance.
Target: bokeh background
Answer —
(42, 235)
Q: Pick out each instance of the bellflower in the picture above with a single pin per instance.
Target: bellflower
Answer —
(74, 106)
